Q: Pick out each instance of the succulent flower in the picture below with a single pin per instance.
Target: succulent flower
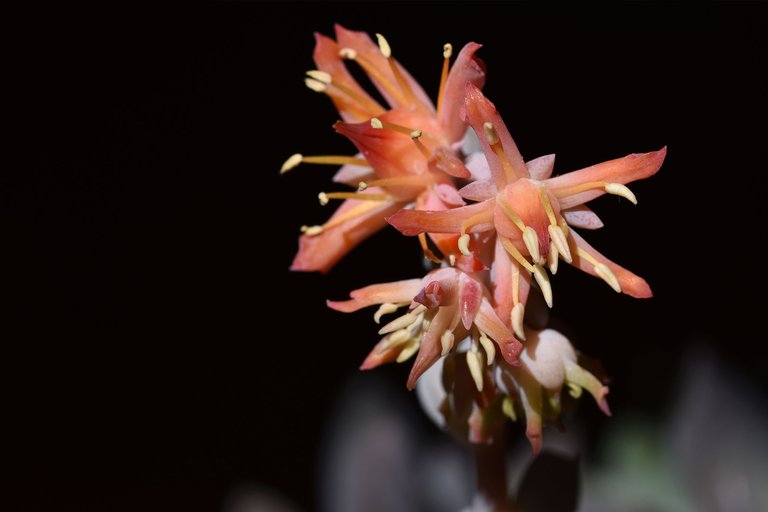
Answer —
(532, 213)
(496, 223)
(408, 153)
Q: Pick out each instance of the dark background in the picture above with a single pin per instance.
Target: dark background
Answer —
(158, 353)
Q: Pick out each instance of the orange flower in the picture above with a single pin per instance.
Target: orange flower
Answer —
(445, 306)
(532, 213)
(408, 153)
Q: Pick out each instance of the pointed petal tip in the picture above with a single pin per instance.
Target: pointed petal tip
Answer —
(602, 402)
(535, 439)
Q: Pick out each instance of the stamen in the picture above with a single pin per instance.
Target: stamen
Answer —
(517, 315)
(511, 214)
(362, 186)
(475, 369)
(476, 219)
(543, 279)
(320, 76)
(400, 180)
(315, 85)
(574, 389)
(358, 210)
(384, 309)
(415, 134)
(376, 123)
(602, 270)
(400, 322)
(489, 347)
(446, 342)
(447, 51)
(621, 190)
(553, 257)
(464, 245)
(561, 242)
(547, 206)
(366, 102)
(324, 197)
(508, 408)
(452, 259)
(311, 230)
(409, 350)
(373, 72)
(608, 276)
(298, 158)
(531, 240)
(291, 162)
(396, 338)
(492, 137)
(426, 250)
(386, 51)
(511, 249)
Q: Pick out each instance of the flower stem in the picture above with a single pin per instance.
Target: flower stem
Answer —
(491, 471)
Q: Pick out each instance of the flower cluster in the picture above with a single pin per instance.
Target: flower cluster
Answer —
(495, 226)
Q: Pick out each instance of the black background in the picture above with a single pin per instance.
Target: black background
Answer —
(157, 350)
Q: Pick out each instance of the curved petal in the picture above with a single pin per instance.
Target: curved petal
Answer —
(352, 175)
(479, 190)
(583, 217)
(368, 50)
(467, 69)
(488, 322)
(621, 170)
(382, 354)
(480, 110)
(541, 168)
(631, 284)
(363, 218)
(413, 222)
(478, 165)
(394, 292)
(504, 272)
(430, 348)
(470, 296)
(390, 153)
(326, 57)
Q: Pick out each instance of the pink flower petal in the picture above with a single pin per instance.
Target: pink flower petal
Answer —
(368, 50)
(470, 296)
(631, 284)
(488, 322)
(480, 110)
(430, 348)
(394, 292)
(621, 170)
(390, 153)
(503, 272)
(377, 357)
(478, 166)
(466, 69)
(352, 175)
(583, 217)
(413, 222)
(321, 252)
(442, 161)
(448, 194)
(327, 59)
(479, 190)
(541, 168)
